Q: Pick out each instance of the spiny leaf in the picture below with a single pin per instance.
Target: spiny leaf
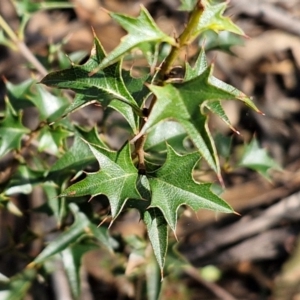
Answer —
(156, 224)
(212, 19)
(11, 130)
(50, 107)
(185, 103)
(257, 159)
(140, 30)
(173, 185)
(79, 155)
(116, 179)
(104, 86)
(51, 139)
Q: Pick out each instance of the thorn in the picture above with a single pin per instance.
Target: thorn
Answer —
(104, 220)
(236, 213)
(220, 178)
(261, 113)
(234, 130)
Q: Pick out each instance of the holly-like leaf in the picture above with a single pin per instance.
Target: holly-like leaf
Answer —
(104, 86)
(11, 130)
(51, 139)
(156, 224)
(184, 102)
(18, 93)
(157, 229)
(257, 159)
(140, 30)
(116, 179)
(212, 19)
(50, 107)
(79, 155)
(173, 185)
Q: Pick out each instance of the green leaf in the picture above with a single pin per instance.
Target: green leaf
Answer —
(50, 107)
(220, 41)
(187, 5)
(51, 138)
(156, 225)
(23, 180)
(17, 287)
(68, 237)
(140, 30)
(212, 19)
(171, 132)
(24, 7)
(153, 279)
(116, 179)
(18, 94)
(56, 204)
(173, 185)
(79, 155)
(104, 86)
(185, 102)
(71, 258)
(11, 130)
(257, 159)
(157, 229)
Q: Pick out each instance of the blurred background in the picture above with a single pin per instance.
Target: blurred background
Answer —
(252, 256)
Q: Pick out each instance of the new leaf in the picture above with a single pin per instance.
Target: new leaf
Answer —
(116, 179)
(140, 30)
(173, 185)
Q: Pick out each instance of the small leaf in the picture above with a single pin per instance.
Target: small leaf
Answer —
(212, 19)
(11, 130)
(116, 179)
(173, 185)
(79, 155)
(257, 159)
(51, 138)
(19, 94)
(140, 30)
(17, 286)
(50, 107)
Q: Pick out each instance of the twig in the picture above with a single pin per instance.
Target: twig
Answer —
(24, 50)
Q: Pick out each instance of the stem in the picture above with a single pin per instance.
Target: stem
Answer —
(24, 50)
(184, 39)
